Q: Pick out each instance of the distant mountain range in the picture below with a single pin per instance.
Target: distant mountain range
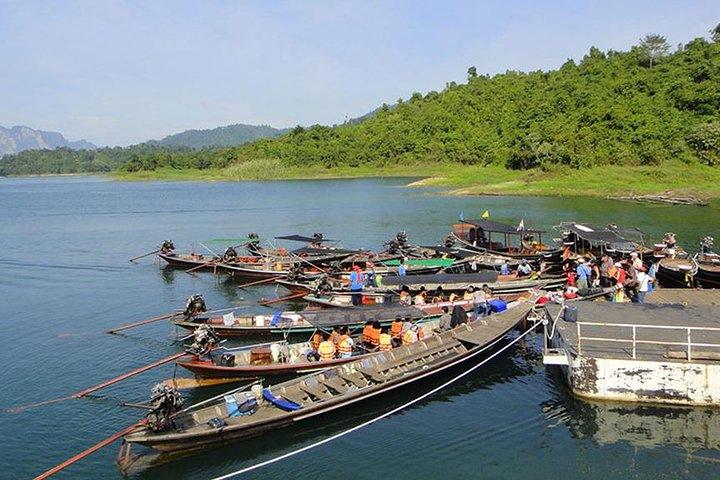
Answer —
(228, 136)
(17, 139)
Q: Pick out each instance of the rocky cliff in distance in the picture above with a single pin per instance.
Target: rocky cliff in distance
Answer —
(17, 139)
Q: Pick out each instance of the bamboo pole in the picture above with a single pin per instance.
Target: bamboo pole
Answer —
(258, 282)
(143, 256)
(143, 322)
(282, 299)
(95, 388)
(88, 451)
(198, 267)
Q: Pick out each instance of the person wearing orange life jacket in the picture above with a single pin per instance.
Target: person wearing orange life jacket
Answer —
(317, 338)
(367, 333)
(326, 350)
(345, 344)
(374, 332)
(384, 341)
(335, 335)
(396, 327)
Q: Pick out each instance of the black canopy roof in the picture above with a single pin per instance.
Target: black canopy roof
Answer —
(303, 238)
(599, 235)
(330, 317)
(491, 226)
(484, 276)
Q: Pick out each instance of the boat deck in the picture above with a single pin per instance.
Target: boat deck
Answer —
(614, 338)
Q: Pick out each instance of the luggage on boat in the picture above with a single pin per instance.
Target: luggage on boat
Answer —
(570, 314)
(227, 360)
(497, 305)
(260, 356)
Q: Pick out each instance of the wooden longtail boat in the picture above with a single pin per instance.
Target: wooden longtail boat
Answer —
(276, 359)
(676, 272)
(316, 394)
(708, 273)
(478, 235)
(189, 260)
(307, 321)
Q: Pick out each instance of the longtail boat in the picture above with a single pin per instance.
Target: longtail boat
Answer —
(242, 414)
(477, 235)
(708, 262)
(307, 321)
(274, 359)
(344, 299)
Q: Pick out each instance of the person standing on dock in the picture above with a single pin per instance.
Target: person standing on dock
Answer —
(583, 274)
(643, 280)
(357, 283)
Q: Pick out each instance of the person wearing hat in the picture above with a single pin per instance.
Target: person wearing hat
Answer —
(583, 274)
(636, 261)
(643, 286)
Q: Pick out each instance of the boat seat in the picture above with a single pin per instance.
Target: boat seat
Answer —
(371, 373)
(335, 384)
(351, 378)
(314, 391)
(416, 355)
(295, 397)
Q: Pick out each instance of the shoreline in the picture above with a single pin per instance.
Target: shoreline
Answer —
(670, 179)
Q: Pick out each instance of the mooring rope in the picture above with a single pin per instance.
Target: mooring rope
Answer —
(384, 415)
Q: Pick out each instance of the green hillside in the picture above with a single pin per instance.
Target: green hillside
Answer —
(227, 136)
(641, 107)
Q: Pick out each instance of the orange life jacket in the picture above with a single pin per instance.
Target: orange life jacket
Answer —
(374, 336)
(366, 333)
(334, 337)
(396, 329)
(326, 350)
(316, 340)
(344, 345)
(385, 342)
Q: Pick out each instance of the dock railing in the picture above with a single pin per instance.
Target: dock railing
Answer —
(688, 344)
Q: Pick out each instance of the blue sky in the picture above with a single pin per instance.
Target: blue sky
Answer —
(121, 72)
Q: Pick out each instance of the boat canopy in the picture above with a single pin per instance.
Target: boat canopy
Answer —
(421, 262)
(303, 238)
(359, 315)
(491, 226)
(607, 236)
(476, 279)
(325, 251)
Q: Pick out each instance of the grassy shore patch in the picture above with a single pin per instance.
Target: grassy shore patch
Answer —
(676, 177)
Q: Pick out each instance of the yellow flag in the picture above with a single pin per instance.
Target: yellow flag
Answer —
(485, 215)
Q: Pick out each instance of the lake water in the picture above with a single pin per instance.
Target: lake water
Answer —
(65, 244)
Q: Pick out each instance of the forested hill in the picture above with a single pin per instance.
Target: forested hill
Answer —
(226, 136)
(639, 107)
(186, 147)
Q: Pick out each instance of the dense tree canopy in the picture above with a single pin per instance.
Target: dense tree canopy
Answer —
(609, 108)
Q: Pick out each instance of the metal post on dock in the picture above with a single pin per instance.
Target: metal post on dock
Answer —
(689, 345)
(579, 338)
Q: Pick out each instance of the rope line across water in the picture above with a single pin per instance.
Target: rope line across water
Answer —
(384, 415)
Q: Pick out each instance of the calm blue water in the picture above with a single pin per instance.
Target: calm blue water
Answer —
(64, 250)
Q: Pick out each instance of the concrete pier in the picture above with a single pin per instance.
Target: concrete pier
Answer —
(658, 353)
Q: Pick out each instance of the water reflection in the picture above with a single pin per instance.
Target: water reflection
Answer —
(646, 426)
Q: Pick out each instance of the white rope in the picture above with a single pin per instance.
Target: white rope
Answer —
(384, 415)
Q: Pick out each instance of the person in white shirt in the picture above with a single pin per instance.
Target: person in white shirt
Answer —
(643, 284)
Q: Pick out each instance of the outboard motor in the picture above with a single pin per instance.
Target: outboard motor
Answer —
(165, 402)
(230, 255)
(204, 340)
(323, 286)
(253, 246)
(449, 240)
(195, 306)
(707, 244)
(317, 240)
(402, 239)
(167, 247)
(295, 272)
